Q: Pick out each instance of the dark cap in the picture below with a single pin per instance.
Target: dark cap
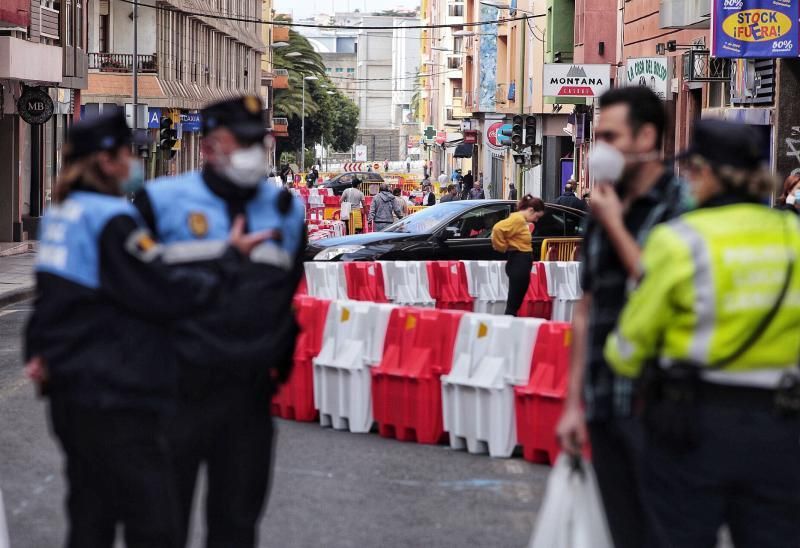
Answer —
(106, 131)
(724, 143)
(242, 116)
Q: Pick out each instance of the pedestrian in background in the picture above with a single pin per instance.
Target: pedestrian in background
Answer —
(790, 197)
(451, 195)
(714, 328)
(634, 192)
(512, 192)
(401, 201)
(442, 180)
(97, 342)
(232, 357)
(512, 236)
(408, 164)
(384, 209)
(428, 197)
(476, 192)
(587, 199)
(355, 198)
(386, 165)
(569, 199)
(468, 180)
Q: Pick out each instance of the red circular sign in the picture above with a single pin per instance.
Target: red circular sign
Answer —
(491, 134)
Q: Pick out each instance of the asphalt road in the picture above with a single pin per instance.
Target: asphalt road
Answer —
(330, 489)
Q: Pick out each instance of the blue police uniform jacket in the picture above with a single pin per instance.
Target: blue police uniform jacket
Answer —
(255, 324)
(104, 297)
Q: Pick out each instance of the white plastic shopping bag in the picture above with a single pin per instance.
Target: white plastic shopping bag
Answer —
(346, 207)
(572, 513)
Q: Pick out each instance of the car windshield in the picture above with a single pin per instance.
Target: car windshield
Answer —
(426, 220)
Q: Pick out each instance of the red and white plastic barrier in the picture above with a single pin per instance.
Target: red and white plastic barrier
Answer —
(489, 382)
(470, 286)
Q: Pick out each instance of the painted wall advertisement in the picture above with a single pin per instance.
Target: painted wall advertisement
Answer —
(649, 72)
(564, 80)
(754, 28)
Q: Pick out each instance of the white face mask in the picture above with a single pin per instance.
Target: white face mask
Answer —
(606, 163)
(246, 167)
(793, 198)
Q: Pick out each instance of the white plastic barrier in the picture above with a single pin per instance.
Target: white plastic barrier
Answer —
(406, 283)
(488, 283)
(564, 286)
(352, 341)
(326, 280)
(492, 353)
(316, 198)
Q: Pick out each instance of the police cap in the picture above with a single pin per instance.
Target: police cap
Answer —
(106, 131)
(242, 116)
(724, 143)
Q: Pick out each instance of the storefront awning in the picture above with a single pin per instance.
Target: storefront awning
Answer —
(464, 151)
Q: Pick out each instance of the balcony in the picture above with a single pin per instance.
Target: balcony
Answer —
(458, 108)
(454, 62)
(280, 127)
(470, 101)
(122, 62)
(281, 79)
(280, 34)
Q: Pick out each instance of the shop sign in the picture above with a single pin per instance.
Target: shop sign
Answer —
(563, 80)
(190, 121)
(649, 72)
(153, 118)
(492, 136)
(35, 106)
(754, 28)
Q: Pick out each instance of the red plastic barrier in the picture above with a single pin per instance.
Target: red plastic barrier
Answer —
(448, 285)
(295, 399)
(406, 390)
(539, 405)
(365, 282)
(537, 302)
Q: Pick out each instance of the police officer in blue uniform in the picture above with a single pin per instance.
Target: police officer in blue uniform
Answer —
(96, 344)
(233, 356)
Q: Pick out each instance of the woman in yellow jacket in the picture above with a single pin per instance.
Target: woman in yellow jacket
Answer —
(513, 237)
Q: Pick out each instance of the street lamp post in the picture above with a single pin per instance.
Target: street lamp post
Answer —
(303, 125)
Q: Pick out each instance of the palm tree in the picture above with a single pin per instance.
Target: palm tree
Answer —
(288, 102)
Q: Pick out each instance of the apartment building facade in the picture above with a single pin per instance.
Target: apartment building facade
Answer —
(43, 68)
(185, 60)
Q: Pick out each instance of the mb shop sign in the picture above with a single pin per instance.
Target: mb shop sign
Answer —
(35, 106)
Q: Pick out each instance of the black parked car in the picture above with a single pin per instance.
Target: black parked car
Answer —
(345, 180)
(458, 230)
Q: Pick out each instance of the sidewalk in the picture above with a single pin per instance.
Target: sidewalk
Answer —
(16, 278)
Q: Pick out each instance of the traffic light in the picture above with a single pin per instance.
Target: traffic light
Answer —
(530, 131)
(504, 135)
(536, 155)
(516, 132)
(167, 136)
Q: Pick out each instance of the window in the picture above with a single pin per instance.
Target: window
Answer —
(339, 69)
(103, 29)
(574, 225)
(551, 225)
(455, 10)
(351, 70)
(327, 70)
(478, 222)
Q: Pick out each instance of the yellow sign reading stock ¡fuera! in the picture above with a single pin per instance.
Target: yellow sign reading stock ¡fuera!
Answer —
(757, 25)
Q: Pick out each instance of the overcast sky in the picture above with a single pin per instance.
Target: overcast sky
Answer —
(305, 8)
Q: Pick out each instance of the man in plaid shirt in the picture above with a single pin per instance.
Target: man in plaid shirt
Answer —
(634, 191)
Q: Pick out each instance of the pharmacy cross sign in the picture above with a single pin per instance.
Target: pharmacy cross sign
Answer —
(429, 133)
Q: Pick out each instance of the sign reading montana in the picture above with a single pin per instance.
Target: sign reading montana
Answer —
(561, 80)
